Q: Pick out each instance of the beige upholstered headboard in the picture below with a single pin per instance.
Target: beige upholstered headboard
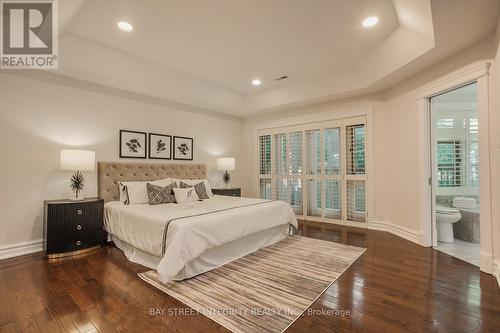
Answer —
(109, 174)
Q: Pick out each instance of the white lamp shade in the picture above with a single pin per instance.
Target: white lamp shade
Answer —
(226, 163)
(81, 160)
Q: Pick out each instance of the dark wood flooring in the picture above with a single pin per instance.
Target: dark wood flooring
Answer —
(396, 286)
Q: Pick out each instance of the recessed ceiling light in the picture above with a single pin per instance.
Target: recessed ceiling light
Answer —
(125, 26)
(370, 21)
(256, 82)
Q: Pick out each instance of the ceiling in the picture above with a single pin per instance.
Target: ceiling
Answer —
(205, 53)
(231, 42)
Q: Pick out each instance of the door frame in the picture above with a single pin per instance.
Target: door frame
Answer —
(479, 73)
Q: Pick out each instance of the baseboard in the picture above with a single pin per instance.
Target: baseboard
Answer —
(496, 270)
(397, 230)
(20, 249)
(486, 262)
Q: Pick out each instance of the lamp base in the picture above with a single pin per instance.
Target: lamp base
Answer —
(226, 178)
(76, 199)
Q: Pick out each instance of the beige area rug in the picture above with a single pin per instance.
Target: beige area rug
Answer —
(265, 291)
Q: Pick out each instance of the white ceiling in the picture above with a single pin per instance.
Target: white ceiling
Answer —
(205, 53)
(231, 42)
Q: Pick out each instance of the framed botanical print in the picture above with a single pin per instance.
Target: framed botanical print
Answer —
(132, 144)
(183, 148)
(160, 146)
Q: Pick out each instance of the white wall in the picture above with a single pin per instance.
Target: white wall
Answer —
(396, 141)
(37, 119)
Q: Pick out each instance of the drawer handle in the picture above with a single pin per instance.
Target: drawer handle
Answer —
(78, 227)
(79, 212)
(78, 243)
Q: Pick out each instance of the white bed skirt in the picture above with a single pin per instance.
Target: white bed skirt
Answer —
(211, 258)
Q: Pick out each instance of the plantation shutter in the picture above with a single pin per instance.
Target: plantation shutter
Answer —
(318, 168)
(265, 178)
(355, 149)
(265, 154)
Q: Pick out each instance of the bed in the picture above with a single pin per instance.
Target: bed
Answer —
(184, 240)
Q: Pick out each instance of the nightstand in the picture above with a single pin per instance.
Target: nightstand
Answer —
(72, 228)
(230, 192)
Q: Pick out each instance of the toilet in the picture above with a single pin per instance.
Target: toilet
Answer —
(445, 217)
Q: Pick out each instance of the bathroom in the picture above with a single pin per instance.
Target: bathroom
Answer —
(455, 154)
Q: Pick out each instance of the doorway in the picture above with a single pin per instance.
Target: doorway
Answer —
(455, 172)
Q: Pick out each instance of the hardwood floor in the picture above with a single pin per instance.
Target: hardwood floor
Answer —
(396, 286)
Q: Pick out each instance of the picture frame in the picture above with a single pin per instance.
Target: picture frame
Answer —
(183, 148)
(133, 144)
(160, 146)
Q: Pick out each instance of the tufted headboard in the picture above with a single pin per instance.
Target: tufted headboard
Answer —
(110, 173)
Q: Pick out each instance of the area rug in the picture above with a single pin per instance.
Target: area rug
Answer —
(265, 291)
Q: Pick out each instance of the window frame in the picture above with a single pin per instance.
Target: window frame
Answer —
(341, 177)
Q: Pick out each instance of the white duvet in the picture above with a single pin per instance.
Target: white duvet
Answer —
(229, 219)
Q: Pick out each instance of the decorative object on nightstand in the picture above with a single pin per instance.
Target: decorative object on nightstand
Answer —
(72, 228)
(77, 160)
(226, 164)
(230, 192)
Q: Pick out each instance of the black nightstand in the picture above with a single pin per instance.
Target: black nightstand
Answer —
(230, 192)
(72, 228)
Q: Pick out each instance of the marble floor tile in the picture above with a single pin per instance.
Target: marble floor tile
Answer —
(469, 252)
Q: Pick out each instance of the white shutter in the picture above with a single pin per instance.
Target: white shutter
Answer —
(356, 206)
(355, 149)
(318, 168)
(333, 205)
(295, 151)
(265, 154)
(450, 160)
(474, 164)
(280, 160)
(282, 189)
(314, 206)
(296, 195)
(313, 149)
(265, 188)
(331, 143)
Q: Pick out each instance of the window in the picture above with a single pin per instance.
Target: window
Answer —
(474, 163)
(446, 123)
(331, 142)
(265, 154)
(319, 169)
(313, 147)
(473, 126)
(450, 163)
(355, 145)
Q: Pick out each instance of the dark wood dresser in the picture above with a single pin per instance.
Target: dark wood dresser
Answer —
(73, 227)
(231, 192)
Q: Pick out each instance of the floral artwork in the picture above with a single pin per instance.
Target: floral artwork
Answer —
(160, 146)
(183, 148)
(132, 144)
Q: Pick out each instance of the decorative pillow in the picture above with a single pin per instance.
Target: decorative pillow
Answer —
(199, 188)
(132, 193)
(185, 195)
(192, 182)
(161, 194)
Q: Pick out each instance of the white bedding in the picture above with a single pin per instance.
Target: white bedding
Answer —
(229, 219)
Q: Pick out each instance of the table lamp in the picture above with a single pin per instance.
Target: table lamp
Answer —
(77, 160)
(226, 164)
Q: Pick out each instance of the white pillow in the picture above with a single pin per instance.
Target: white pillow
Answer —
(185, 195)
(193, 182)
(132, 193)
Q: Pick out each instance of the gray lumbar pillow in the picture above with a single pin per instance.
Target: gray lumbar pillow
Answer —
(200, 189)
(161, 194)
